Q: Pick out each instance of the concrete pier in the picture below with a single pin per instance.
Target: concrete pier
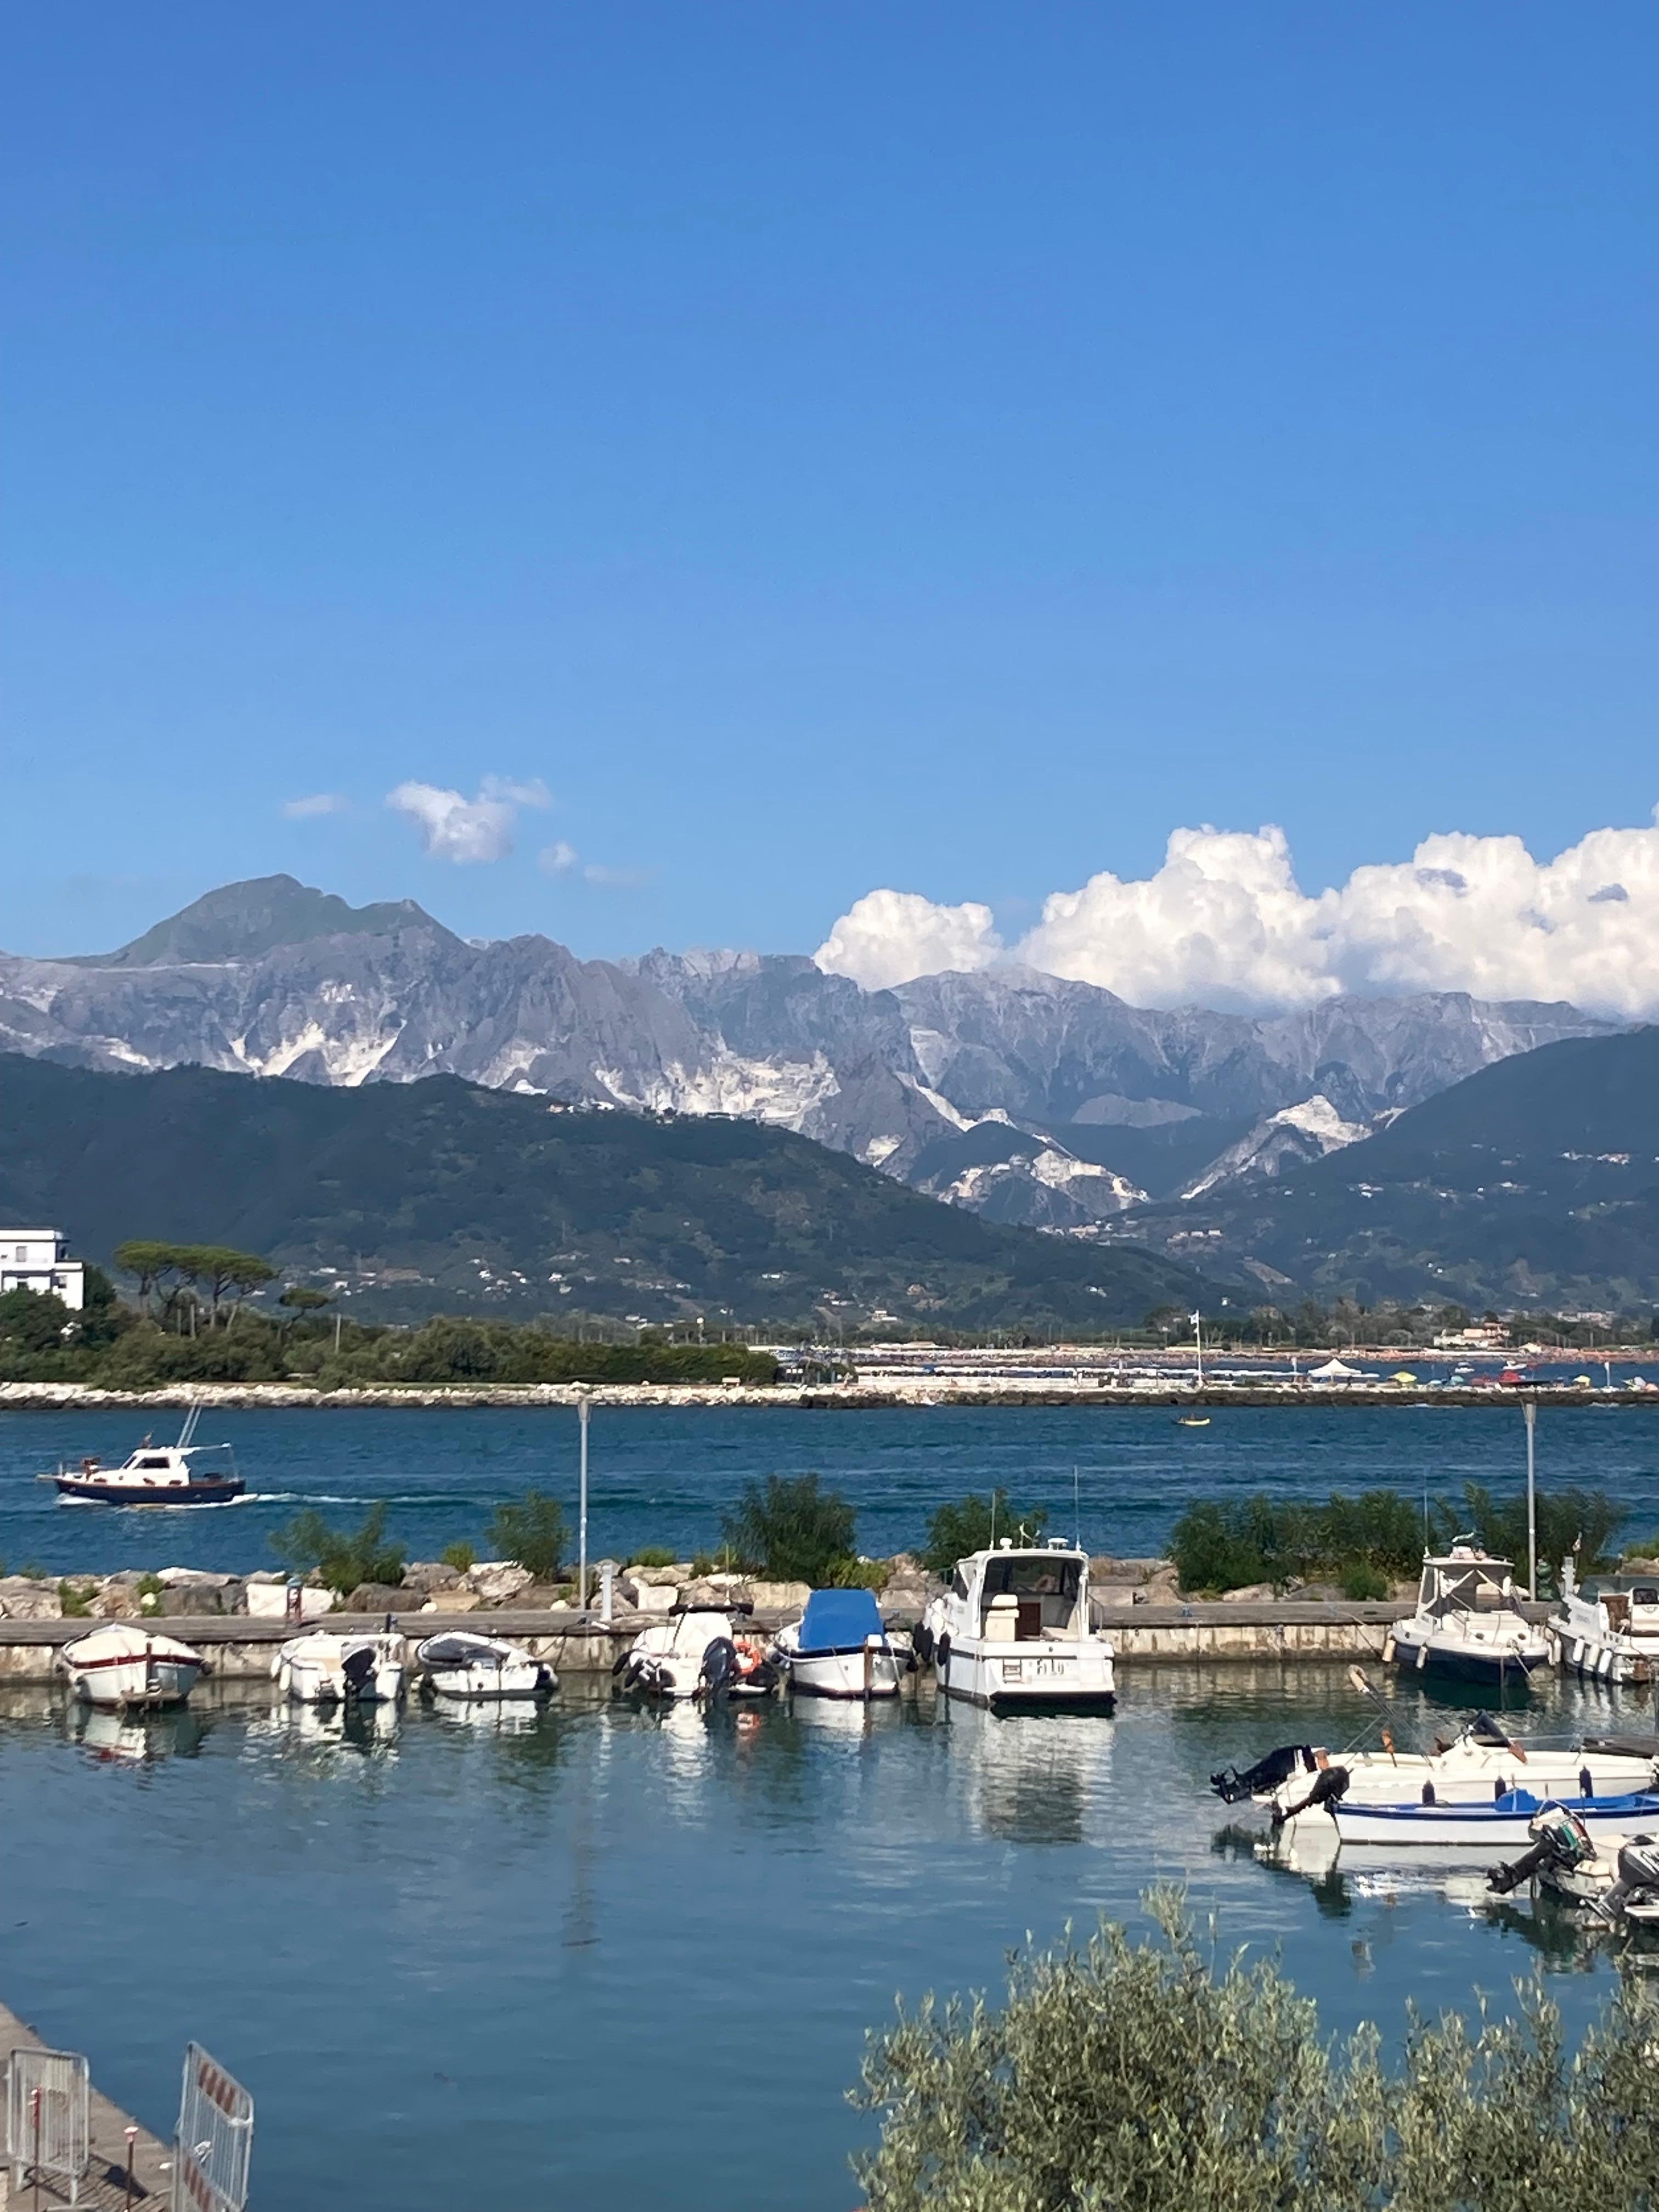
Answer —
(239, 1652)
(105, 2188)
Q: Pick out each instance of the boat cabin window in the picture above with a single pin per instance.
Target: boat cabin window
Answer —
(153, 1459)
(959, 1584)
(1045, 1587)
(1645, 1593)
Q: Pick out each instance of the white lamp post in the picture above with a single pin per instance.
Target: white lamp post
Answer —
(1529, 1411)
(584, 1409)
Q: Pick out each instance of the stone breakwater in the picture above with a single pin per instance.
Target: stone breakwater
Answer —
(887, 1392)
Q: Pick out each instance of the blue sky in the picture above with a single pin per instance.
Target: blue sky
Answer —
(826, 447)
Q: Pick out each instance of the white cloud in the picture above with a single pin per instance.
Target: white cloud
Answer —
(1225, 923)
(556, 858)
(465, 829)
(320, 802)
(891, 937)
(616, 879)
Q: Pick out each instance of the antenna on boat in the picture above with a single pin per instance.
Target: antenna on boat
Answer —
(189, 1429)
(1077, 1511)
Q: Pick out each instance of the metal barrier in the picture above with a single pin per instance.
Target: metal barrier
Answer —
(213, 2140)
(48, 2116)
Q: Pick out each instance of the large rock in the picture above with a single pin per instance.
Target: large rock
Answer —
(430, 1575)
(381, 1597)
(497, 1581)
(647, 1596)
(453, 1600)
(22, 1598)
(779, 1597)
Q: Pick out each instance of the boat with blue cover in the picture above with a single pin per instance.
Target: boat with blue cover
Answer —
(839, 1647)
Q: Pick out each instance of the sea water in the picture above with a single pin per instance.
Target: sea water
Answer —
(1118, 1476)
(512, 1961)
(601, 1954)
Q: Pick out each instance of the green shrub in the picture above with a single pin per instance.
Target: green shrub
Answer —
(459, 1556)
(531, 1530)
(1167, 2076)
(147, 1590)
(75, 1601)
(344, 1558)
(654, 1555)
(1363, 1582)
(1574, 1519)
(791, 1530)
(1256, 1539)
(974, 1523)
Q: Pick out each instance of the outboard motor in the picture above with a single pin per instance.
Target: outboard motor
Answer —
(1330, 1785)
(1562, 1841)
(1638, 1876)
(1233, 1787)
(358, 1668)
(719, 1669)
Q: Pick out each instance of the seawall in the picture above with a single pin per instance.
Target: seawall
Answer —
(239, 1652)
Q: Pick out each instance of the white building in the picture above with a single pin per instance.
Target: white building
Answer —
(38, 1259)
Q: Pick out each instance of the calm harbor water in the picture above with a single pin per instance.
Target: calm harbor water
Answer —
(664, 1477)
(465, 1963)
(605, 1953)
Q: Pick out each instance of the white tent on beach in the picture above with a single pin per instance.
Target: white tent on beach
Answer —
(1336, 1371)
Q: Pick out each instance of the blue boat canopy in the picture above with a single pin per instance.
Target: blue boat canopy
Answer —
(839, 1619)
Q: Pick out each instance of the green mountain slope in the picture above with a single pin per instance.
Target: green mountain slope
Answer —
(1533, 1184)
(437, 1195)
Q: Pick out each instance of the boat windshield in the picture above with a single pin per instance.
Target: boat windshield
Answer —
(1468, 1585)
(1044, 1586)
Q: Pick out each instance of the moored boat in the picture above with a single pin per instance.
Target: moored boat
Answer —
(1468, 1623)
(185, 1473)
(130, 1669)
(1500, 1823)
(1479, 1761)
(1609, 1633)
(839, 1647)
(1014, 1633)
(462, 1665)
(699, 1653)
(322, 1668)
(1618, 1880)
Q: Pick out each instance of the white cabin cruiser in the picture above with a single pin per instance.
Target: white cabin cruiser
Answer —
(1014, 1633)
(1481, 1761)
(463, 1665)
(839, 1647)
(325, 1670)
(1468, 1623)
(156, 1475)
(128, 1667)
(695, 1654)
(1610, 1633)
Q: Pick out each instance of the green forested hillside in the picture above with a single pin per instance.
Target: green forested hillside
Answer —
(439, 1195)
(1533, 1183)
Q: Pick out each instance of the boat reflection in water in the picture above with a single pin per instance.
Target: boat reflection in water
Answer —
(136, 1738)
(371, 1730)
(1036, 1779)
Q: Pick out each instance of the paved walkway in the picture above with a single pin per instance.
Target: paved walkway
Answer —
(105, 2186)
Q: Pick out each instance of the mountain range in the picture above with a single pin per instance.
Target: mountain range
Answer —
(1533, 1184)
(414, 1198)
(1033, 1101)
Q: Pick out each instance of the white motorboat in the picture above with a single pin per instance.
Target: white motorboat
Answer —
(839, 1647)
(695, 1654)
(1470, 1624)
(1609, 1633)
(325, 1670)
(128, 1667)
(1481, 1761)
(185, 1473)
(462, 1665)
(1500, 1823)
(1014, 1633)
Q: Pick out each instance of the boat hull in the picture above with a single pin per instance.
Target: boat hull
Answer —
(1500, 1825)
(106, 1492)
(1495, 1669)
(856, 1674)
(1596, 1661)
(1059, 1680)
